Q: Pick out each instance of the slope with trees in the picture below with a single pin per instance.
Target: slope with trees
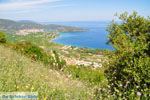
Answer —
(128, 70)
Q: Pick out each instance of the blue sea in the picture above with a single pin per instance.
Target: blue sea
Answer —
(94, 38)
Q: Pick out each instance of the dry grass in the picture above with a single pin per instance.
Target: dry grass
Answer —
(19, 73)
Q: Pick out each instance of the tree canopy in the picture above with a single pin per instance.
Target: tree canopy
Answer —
(129, 64)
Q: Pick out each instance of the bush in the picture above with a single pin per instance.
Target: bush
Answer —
(93, 77)
(128, 70)
(31, 50)
(34, 52)
(59, 63)
(2, 37)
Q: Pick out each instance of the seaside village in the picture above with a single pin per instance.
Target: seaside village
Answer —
(28, 31)
(95, 61)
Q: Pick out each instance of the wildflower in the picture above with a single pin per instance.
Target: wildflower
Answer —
(128, 82)
(120, 85)
(17, 87)
(53, 89)
(27, 86)
(99, 89)
(32, 88)
(139, 93)
(103, 89)
(137, 86)
(108, 86)
(44, 99)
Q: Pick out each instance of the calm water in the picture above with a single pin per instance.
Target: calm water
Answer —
(94, 38)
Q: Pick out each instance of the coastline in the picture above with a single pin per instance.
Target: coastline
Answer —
(58, 35)
(77, 46)
(74, 55)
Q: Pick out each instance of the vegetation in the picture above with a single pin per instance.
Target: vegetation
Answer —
(60, 63)
(18, 73)
(87, 75)
(128, 70)
(2, 37)
(40, 39)
(36, 74)
(55, 61)
(31, 50)
(39, 65)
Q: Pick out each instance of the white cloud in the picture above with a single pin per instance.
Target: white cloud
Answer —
(22, 4)
(31, 9)
(16, 7)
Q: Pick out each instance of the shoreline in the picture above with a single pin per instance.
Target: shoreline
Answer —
(66, 44)
(75, 58)
(72, 45)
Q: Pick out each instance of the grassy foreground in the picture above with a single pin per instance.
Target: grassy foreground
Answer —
(19, 73)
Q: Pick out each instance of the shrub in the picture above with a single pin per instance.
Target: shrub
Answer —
(48, 60)
(33, 51)
(128, 71)
(2, 37)
(93, 77)
(30, 50)
(60, 63)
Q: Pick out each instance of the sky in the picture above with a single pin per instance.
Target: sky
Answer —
(70, 10)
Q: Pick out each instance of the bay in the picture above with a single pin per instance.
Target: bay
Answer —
(94, 38)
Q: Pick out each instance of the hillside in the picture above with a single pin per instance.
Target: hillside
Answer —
(26, 21)
(13, 26)
(19, 73)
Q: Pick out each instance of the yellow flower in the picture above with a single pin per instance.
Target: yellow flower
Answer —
(27, 86)
(32, 88)
(17, 87)
(53, 89)
(44, 99)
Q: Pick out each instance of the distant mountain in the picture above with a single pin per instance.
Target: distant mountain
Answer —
(13, 26)
(25, 21)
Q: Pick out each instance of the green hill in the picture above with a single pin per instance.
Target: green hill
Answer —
(26, 21)
(13, 26)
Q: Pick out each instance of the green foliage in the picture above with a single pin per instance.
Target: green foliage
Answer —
(40, 38)
(59, 62)
(30, 50)
(2, 37)
(128, 70)
(19, 74)
(48, 60)
(34, 52)
(93, 77)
